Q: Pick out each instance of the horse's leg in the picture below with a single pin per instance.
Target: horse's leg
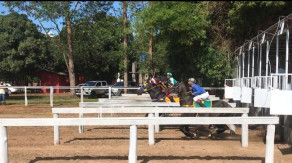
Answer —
(186, 130)
(221, 128)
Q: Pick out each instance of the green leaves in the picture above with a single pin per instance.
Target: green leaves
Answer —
(22, 47)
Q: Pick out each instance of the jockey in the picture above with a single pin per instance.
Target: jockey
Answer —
(154, 80)
(198, 92)
(169, 83)
(171, 80)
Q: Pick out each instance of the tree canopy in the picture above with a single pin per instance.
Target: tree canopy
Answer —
(189, 39)
(23, 49)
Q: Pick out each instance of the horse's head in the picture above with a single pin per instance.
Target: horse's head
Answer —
(184, 93)
(154, 89)
(143, 88)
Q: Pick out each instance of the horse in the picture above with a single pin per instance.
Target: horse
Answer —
(156, 91)
(186, 99)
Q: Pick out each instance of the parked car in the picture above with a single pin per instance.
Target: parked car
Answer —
(92, 92)
(118, 92)
(11, 90)
(79, 85)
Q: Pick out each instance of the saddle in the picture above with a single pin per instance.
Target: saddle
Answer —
(207, 103)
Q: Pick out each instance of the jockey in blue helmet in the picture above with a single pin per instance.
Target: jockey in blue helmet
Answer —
(199, 92)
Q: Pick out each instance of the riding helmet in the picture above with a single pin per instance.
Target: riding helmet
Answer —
(192, 80)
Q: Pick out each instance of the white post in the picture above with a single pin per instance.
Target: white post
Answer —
(267, 64)
(248, 63)
(56, 131)
(81, 127)
(243, 59)
(151, 138)
(25, 96)
(270, 144)
(260, 64)
(110, 93)
(51, 96)
(277, 54)
(287, 59)
(252, 68)
(100, 113)
(239, 63)
(3, 145)
(133, 144)
(157, 128)
(81, 94)
(244, 133)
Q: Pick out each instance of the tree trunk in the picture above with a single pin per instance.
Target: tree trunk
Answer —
(150, 51)
(125, 5)
(70, 56)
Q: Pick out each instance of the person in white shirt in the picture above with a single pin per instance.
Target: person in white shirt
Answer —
(2, 94)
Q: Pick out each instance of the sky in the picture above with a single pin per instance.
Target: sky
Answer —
(5, 11)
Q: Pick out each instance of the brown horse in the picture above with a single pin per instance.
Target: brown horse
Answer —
(157, 92)
(186, 99)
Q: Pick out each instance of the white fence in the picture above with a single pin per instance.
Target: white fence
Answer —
(152, 111)
(133, 122)
(52, 88)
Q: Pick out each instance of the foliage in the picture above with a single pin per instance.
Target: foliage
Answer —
(248, 17)
(23, 49)
(97, 47)
(190, 39)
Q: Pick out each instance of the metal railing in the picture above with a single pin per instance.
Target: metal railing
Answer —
(281, 81)
(236, 82)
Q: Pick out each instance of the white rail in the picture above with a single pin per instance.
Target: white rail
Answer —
(133, 122)
(52, 88)
(152, 111)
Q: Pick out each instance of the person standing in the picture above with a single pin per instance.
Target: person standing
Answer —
(2, 94)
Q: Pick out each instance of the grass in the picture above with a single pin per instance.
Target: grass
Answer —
(44, 98)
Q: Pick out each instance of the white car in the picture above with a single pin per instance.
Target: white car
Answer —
(11, 90)
(93, 92)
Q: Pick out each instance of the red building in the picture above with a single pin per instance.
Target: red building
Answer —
(50, 78)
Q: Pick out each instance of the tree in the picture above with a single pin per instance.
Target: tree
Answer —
(23, 49)
(248, 17)
(52, 11)
(125, 42)
(174, 25)
(98, 46)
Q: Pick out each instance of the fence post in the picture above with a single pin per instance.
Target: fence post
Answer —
(81, 116)
(151, 140)
(56, 131)
(110, 93)
(25, 96)
(270, 144)
(81, 93)
(133, 144)
(51, 96)
(244, 133)
(3, 145)
(157, 127)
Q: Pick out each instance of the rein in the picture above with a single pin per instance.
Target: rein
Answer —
(146, 90)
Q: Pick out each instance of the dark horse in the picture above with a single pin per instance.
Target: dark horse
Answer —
(156, 91)
(186, 99)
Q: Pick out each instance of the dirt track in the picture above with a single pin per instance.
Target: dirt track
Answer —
(110, 144)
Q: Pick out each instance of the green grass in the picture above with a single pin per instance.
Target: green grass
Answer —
(45, 99)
